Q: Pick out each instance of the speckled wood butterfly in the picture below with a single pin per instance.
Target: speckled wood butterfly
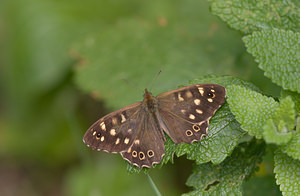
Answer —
(136, 131)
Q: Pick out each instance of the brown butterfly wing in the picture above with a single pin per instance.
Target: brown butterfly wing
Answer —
(148, 147)
(131, 131)
(184, 113)
(115, 132)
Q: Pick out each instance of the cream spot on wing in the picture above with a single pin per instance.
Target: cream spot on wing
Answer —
(201, 91)
(117, 141)
(189, 94)
(191, 116)
(210, 100)
(197, 101)
(129, 150)
(129, 130)
(102, 125)
(180, 98)
(136, 141)
(123, 118)
(94, 133)
(201, 123)
(212, 90)
(199, 111)
(126, 141)
(102, 139)
(112, 132)
(183, 111)
(114, 121)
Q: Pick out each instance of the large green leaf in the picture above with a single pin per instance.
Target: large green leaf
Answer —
(250, 108)
(277, 52)
(249, 16)
(228, 177)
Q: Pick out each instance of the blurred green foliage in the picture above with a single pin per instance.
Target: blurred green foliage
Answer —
(62, 64)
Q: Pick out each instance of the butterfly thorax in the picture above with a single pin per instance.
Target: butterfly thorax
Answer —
(150, 102)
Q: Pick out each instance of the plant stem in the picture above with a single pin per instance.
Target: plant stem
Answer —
(153, 186)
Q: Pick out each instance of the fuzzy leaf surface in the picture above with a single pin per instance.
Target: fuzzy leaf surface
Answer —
(287, 172)
(278, 53)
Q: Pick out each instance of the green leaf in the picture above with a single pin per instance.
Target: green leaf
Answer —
(287, 172)
(293, 147)
(250, 108)
(228, 177)
(278, 129)
(249, 16)
(286, 113)
(272, 135)
(278, 54)
(295, 97)
(159, 34)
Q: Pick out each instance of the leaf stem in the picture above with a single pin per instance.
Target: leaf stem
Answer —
(153, 185)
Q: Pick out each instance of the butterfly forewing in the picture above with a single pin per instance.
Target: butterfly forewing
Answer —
(115, 131)
(184, 113)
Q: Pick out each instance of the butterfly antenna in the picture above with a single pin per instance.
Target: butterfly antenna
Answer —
(156, 78)
(131, 84)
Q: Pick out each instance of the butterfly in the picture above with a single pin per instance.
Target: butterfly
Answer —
(137, 131)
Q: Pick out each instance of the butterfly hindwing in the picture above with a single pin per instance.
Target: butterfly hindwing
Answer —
(148, 146)
(185, 112)
(115, 131)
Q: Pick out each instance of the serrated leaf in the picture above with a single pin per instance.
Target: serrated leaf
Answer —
(295, 97)
(249, 16)
(250, 108)
(286, 113)
(293, 147)
(228, 177)
(278, 54)
(287, 172)
(278, 129)
(272, 135)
